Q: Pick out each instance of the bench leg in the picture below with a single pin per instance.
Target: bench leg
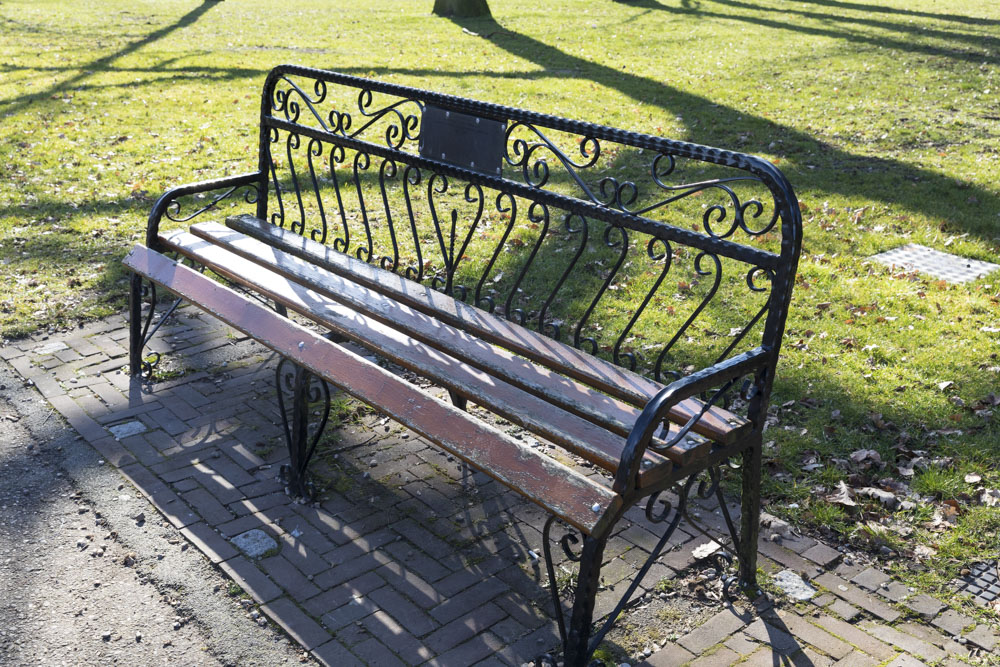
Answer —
(135, 333)
(750, 520)
(305, 389)
(577, 649)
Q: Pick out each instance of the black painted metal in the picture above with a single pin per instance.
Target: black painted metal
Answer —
(353, 175)
(306, 389)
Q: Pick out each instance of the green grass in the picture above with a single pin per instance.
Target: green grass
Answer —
(885, 117)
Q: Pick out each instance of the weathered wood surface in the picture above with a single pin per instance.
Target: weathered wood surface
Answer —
(716, 424)
(579, 500)
(580, 399)
(576, 435)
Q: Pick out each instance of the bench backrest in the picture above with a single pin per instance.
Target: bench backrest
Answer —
(611, 241)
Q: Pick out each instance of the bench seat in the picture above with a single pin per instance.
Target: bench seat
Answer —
(622, 386)
(570, 495)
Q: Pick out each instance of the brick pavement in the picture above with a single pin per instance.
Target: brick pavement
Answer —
(408, 558)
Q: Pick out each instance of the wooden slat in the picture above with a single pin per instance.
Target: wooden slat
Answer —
(569, 394)
(717, 424)
(576, 435)
(589, 506)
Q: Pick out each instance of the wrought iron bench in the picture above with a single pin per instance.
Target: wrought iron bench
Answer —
(618, 295)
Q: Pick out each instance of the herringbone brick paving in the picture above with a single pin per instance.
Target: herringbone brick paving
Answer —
(410, 558)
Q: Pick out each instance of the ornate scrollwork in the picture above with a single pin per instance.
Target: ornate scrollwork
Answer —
(284, 101)
(535, 170)
(173, 210)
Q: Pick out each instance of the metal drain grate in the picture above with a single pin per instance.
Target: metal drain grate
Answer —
(941, 265)
(982, 582)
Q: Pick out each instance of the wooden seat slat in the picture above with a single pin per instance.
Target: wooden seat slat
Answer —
(568, 394)
(566, 493)
(716, 424)
(573, 433)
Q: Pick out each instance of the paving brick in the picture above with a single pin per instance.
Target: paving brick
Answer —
(854, 635)
(454, 633)
(903, 660)
(249, 578)
(337, 596)
(713, 631)
(952, 622)
(302, 557)
(389, 632)
(813, 635)
(903, 641)
(358, 608)
(982, 636)
(670, 655)
(296, 623)
(205, 504)
(925, 606)
(857, 659)
(113, 452)
(930, 635)
(789, 559)
(166, 501)
(777, 639)
(532, 645)
(822, 554)
(410, 584)
(374, 652)
(810, 658)
(871, 579)
(351, 569)
(856, 596)
(465, 602)
(209, 542)
(720, 658)
(742, 644)
(77, 418)
(289, 578)
(470, 652)
(894, 591)
(413, 617)
(848, 612)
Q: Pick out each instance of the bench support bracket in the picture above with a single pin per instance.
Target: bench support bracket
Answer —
(578, 642)
(141, 330)
(306, 391)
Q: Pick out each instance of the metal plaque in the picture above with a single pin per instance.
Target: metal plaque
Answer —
(463, 140)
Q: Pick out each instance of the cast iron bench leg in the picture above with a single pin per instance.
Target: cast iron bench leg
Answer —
(582, 616)
(135, 324)
(750, 520)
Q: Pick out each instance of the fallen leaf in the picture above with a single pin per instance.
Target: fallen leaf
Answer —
(944, 385)
(990, 497)
(862, 455)
(842, 496)
(973, 478)
(884, 497)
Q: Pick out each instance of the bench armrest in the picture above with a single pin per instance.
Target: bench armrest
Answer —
(169, 199)
(659, 406)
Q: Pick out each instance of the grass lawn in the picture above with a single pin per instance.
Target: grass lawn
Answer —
(885, 117)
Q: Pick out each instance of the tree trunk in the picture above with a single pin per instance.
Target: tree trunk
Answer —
(461, 8)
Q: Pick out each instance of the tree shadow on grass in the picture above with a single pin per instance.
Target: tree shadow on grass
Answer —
(880, 179)
(103, 63)
(978, 48)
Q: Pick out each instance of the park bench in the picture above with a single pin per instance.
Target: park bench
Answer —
(620, 297)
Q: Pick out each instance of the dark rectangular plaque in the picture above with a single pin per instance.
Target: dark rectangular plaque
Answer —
(463, 140)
